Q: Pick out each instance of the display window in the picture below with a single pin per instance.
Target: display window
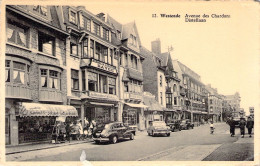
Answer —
(130, 117)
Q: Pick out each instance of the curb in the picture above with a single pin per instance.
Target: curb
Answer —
(48, 147)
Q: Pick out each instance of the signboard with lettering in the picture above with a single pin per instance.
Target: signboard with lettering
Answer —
(102, 95)
(103, 66)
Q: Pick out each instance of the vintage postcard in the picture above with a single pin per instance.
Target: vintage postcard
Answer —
(129, 82)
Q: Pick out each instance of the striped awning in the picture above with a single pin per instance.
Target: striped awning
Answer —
(38, 109)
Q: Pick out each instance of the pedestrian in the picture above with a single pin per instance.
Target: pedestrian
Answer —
(68, 130)
(242, 125)
(80, 130)
(232, 126)
(250, 125)
(211, 127)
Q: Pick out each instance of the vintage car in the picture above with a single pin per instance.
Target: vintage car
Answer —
(174, 125)
(186, 124)
(112, 132)
(158, 128)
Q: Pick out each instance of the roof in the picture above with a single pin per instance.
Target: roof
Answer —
(164, 58)
(127, 30)
(152, 104)
(115, 24)
(150, 55)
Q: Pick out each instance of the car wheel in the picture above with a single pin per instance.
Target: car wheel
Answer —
(97, 142)
(168, 134)
(131, 136)
(148, 133)
(152, 133)
(114, 139)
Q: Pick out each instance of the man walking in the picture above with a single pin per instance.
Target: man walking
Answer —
(250, 125)
(242, 125)
(232, 126)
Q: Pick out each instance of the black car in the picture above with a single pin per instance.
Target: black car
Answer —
(174, 125)
(186, 124)
(112, 132)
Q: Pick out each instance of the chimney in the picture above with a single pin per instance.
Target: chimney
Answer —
(101, 16)
(156, 46)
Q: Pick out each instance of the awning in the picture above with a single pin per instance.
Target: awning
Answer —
(136, 105)
(37, 109)
(102, 104)
(196, 112)
(204, 113)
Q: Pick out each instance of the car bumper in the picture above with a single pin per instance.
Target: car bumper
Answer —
(101, 139)
(161, 132)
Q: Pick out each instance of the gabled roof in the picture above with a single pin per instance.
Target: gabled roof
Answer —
(127, 28)
(164, 58)
(115, 24)
(149, 55)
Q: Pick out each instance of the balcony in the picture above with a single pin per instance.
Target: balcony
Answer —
(51, 95)
(132, 96)
(18, 91)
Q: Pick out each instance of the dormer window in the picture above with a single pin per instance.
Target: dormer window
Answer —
(118, 35)
(105, 34)
(73, 17)
(86, 23)
(133, 40)
(42, 10)
(96, 29)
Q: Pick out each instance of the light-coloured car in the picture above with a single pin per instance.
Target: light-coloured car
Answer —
(158, 128)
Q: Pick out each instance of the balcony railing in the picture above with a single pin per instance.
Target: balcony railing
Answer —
(17, 91)
(51, 95)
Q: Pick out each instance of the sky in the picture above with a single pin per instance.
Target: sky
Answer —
(223, 51)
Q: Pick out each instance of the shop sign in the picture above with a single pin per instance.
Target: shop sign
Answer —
(103, 66)
(102, 95)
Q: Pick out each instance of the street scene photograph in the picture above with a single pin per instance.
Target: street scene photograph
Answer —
(89, 82)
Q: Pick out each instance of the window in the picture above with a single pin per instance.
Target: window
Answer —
(96, 29)
(73, 17)
(160, 80)
(40, 9)
(120, 59)
(210, 101)
(19, 72)
(104, 54)
(133, 40)
(73, 49)
(103, 84)
(44, 76)
(168, 99)
(126, 87)
(83, 80)
(91, 48)
(54, 79)
(74, 79)
(111, 56)
(92, 81)
(85, 49)
(17, 34)
(7, 71)
(174, 88)
(118, 35)
(126, 60)
(175, 100)
(112, 85)
(86, 23)
(105, 34)
(161, 97)
(46, 43)
(98, 51)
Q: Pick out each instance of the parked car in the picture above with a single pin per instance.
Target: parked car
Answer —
(158, 128)
(186, 124)
(112, 132)
(174, 125)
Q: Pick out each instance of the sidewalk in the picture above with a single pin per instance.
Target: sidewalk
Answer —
(47, 145)
(40, 146)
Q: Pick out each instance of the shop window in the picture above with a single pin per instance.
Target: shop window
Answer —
(126, 87)
(17, 34)
(96, 29)
(7, 71)
(112, 85)
(91, 48)
(103, 84)
(83, 80)
(129, 117)
(105, 34)
(73, 17)
(92, 81)
(74, 79)
(85, 49)
(46, 43)
(42, 10)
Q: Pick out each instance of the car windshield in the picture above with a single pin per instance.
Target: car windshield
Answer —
(159, 124)
(103, 126)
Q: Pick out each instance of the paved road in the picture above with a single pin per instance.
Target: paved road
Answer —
(184, 145)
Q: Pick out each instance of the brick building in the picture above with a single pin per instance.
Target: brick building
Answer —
(35, 72)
